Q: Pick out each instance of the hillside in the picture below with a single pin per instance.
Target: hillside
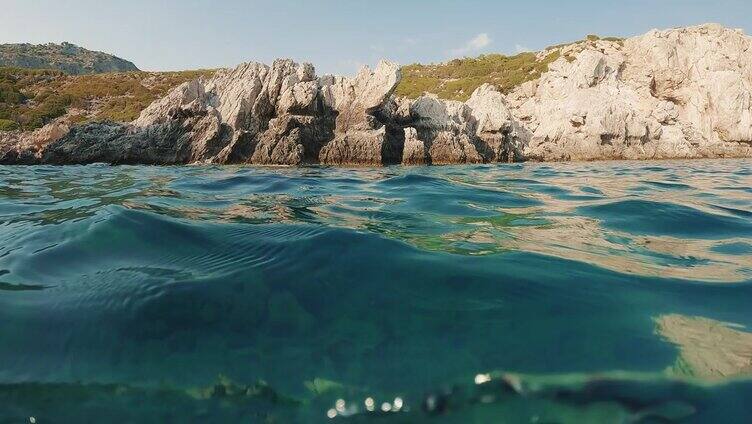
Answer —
(66, 57)
(30, 98)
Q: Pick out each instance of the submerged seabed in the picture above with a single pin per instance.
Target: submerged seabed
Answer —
(595, 292)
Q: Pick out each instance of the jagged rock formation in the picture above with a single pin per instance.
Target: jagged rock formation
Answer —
(65, 57)
(682, 93)
(281, 115)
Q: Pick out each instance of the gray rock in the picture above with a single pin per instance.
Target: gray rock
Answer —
(447, 129)
(111, 142)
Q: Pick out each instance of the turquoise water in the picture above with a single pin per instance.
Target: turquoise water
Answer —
(201, 294)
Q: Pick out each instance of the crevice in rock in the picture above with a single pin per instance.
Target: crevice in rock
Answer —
(393, 147)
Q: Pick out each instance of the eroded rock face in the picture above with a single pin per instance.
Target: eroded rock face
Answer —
(446, 129)
(113, 143)
(362, 137)
(503, 136)
(681, 93)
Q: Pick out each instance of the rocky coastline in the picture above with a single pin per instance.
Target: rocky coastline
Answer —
(671, 94)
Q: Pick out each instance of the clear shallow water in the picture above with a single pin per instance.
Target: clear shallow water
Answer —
(145, 294)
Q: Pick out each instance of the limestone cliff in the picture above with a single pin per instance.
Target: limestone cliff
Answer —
(680, 93)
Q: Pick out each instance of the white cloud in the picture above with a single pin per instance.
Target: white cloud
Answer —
(409, 41)
(518, 48)
(479, 42)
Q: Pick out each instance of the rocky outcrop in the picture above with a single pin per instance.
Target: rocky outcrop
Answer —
(361, 137)
(681, 93)
(114, 143)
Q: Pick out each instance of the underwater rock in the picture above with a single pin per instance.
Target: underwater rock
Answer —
(708, 348)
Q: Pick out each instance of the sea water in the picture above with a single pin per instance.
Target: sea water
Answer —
(591, 292)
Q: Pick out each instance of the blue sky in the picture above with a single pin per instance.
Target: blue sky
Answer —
(340, 36)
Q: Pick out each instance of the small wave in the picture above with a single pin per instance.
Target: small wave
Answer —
(664, 218)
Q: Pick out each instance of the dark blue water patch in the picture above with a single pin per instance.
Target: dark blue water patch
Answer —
(136, 238)
(663, 218)
(412, 180)
(19, 287)
(737, 249)
(747, 214)
(668, 185)
(591, 190)
(577, 197)
(439, 196)
(654, 169)
(244, 182)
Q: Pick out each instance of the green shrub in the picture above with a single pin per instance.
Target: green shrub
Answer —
(9, 94)
(457, 79)
(8, 125)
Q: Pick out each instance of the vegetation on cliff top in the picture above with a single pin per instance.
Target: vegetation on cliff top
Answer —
(458, 78)
(31, 98)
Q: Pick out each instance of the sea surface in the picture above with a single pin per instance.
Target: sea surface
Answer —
(531, 293)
